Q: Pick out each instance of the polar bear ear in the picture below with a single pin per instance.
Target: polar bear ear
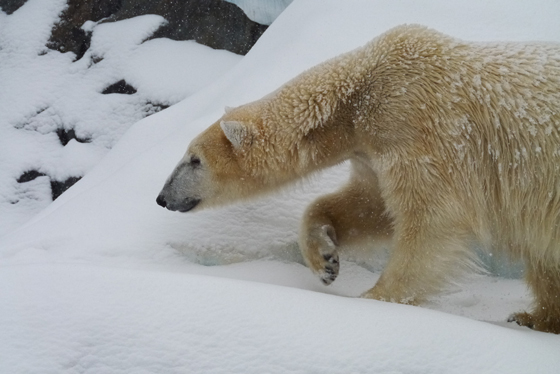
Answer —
(235, 132)
(227, 109)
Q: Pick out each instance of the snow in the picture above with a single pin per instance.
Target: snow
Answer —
(97, 320)
(104, 280)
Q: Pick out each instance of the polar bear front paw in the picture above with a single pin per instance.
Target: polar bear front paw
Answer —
(330, 269)
(319, 251)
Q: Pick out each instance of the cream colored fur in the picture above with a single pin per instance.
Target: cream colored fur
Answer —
(450, 142)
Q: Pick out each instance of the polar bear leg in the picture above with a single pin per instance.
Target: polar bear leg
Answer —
(352, 215)
(544, 280)
(423, 259)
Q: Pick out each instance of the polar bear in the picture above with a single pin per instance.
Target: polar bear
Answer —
(450, 142)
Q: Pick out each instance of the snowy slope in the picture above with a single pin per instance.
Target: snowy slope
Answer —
(113, 320)
(104, 280)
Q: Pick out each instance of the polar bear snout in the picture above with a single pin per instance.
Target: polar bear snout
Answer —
(184, 189)
(182, 206)
(185, 205)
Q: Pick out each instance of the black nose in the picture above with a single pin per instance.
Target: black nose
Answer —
(161, 201)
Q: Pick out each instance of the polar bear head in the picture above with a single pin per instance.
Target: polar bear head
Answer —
(222, 164)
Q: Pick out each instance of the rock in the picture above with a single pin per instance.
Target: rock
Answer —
(120, 87)
(10, 6)
(215, 23)
(68, 36)
(30, 175)
(59, 187)
(66, 135)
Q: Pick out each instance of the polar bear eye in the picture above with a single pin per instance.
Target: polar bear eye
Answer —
(195, 161)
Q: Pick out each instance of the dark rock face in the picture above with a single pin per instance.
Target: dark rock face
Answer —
(215, 23)
(30, 175)
(66, 135)
(10, 6)
(59, 187)
(67, 35)
(120, 87)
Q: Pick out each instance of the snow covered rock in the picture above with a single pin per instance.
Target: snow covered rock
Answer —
(215, 23)
(59, 117)
(10, 6)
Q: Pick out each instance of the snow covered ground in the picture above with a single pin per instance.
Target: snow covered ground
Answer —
(105, 281)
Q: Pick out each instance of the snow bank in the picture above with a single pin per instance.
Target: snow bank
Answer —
(83, 319)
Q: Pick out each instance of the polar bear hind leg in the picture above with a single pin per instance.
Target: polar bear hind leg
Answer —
(544, 280)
